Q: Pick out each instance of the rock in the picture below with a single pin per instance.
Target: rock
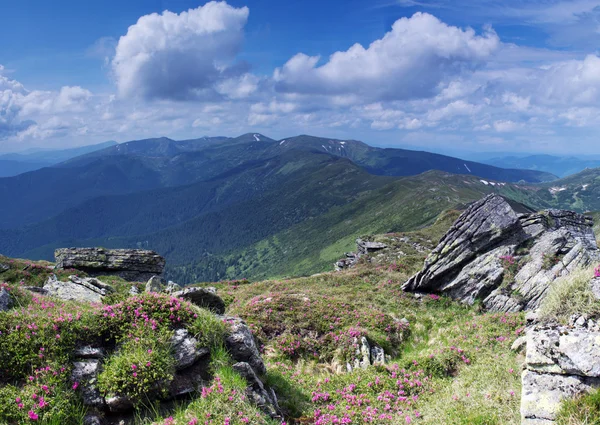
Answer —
(378, 356)
(595, 287)
(154, 284)
(531, 317)
(6, 300)
(561, 362)
(363, 353)
(134, 290)
(542, 394)
(4, 268)
(119, 403)
(479, 257)
(192, 379)
(256, 392)
(91, 419)
(362, 248)
(130, 264)
(85, 373)
(203, 297)
(89, 352)
(77, 289)
(366, 247)
(564, 351)
(173, 287)
(242, 346)
(519, 344)
(36, 289)
(186, 350)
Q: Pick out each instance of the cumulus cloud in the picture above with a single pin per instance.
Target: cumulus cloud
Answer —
(11, 93)
(183, 56)
(408, 62)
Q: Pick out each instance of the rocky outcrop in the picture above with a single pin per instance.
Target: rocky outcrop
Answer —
(77, 289)
(362, 248)
(130, 264)
(202, 297)
(499, 253)
(561, 362)
(192, 372)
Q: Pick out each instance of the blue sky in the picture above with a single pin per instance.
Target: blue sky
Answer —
(472, 75)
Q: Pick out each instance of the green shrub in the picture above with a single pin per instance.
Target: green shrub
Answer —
(142, 367)
(570, 295)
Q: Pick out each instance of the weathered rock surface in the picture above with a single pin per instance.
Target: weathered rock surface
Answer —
(4, 267)
(242, 346)
(561, 362)
(130, 264)
(203, 297)
(186, 350)
(6, 301)
(173, 287)
(77, 289)
(506, 258)
(85, 374)
(154, 284)
(256, 391)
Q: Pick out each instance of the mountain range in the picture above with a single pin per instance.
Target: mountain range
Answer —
(561, 166)
(251, 206)
(13, 164)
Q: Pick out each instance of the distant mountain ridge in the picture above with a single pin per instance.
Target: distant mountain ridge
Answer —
(561, 166)
(245, 206)
(13, 164)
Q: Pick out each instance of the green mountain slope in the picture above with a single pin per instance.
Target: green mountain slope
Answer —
(313, 245)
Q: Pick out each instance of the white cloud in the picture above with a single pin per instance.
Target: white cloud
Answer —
(183, 56)
(408, 62)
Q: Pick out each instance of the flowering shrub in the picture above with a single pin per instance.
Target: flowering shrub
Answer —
(317, 328)
(142, 367)
(45, 396)
(511, 267)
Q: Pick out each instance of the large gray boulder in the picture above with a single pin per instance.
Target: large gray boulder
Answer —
(473, 260)
(77, 289)
(130, 264)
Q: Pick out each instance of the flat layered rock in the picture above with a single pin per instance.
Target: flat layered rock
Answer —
(129, 264)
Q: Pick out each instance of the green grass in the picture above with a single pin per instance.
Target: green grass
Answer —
(570, 295)
(584, 410)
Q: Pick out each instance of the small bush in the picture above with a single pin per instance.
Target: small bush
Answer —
(584, 410)
(570, 295)
(143, 367)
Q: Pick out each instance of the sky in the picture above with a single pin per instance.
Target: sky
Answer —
(440, 75)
